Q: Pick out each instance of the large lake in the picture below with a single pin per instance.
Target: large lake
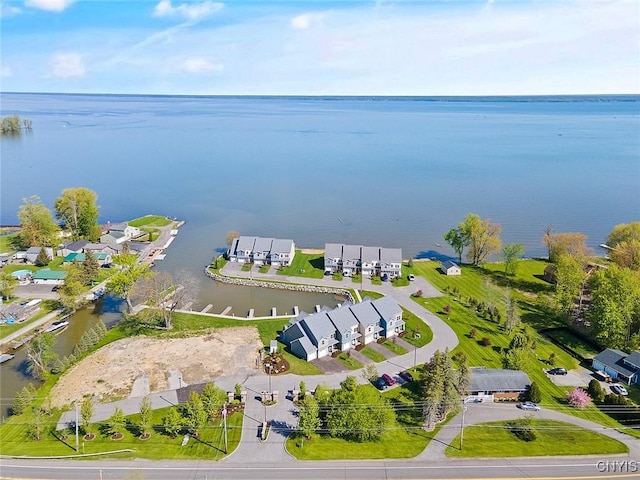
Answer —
(374, 171)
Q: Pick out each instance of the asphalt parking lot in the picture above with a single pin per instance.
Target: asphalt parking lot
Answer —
(36, 290)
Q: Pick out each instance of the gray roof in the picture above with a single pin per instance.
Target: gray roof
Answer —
(386, 307)
(447, 264)
(234, 246)
(36, 250)
(365, 313)
(498, 380)
(306, 345)
(633, 359)
(281, 245)
(333, 250)
(351, 252)
(76, 246)
(317, 326)
(613, 359)
(117, 227)
(262, 245)
(246, 243)
(370, 254)
(101, 246)
(342, 318)
(391, 255)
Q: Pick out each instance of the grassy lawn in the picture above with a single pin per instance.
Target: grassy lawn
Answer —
(209, 445)
(309, 265)
(264, 268)
(394, 347)
(369, 293)
(246, 267)
(150, 221)
(376, 281)
(348, 361)
(553, 438)
(337, 276)
(567, 338)
(463, 319)
(8, 243)
(372, 354)
(152, 234)
(413, 326)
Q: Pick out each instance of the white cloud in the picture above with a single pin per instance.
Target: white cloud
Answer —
(65, 65)
(51, 5)
(306, 20)
(201, 65)
(5, 71)
(8, 10)
(189, 11)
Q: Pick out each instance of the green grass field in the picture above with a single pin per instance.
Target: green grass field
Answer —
(572, 341)
(348, 361)
(150, 221)
(394, 347)
(526, 286)
(8, 242)
(305, 265)
(418, 333)
(493, 439)
(210, 443)
(372, 354)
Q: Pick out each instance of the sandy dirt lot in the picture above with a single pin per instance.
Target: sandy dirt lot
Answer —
(110, 372)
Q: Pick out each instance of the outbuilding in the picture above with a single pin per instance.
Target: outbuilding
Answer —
(49, 277)
(450, 268)
(490, 384)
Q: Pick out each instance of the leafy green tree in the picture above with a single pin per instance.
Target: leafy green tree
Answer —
(86, 414)
(322, 393)
(515, 359)
(36, 423)
(237, 391)
(117, 422)
(77, 211)
(73, 286)
(195, 413)
(23, 400)
(40, 353)
(596, 391)
(130, 271)
(534, 394)
(213, 398)
(457, 239)
(370, 372)
(511, 254)
(573, 244)
(615, 306)
(523, 428)
(309, 419)
(440, 389)
(570, 277)
(43, 258)
(7, 285)
(172, 422)
(38, 229)
(146, 414)
(90, 266)
(483, 237)
(512, 316)
(624, 241)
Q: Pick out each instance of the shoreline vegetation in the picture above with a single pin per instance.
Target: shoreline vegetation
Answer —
(14, 125)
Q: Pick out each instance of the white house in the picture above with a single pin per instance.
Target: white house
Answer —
(450, 268)
(352, 259)
(261, 251)
(120, 233)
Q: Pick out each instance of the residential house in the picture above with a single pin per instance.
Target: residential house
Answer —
(32, 253)
(391, 262)
(370, 260)
(109, 249)
(619, 365)
(49, 277)
(120, 233)
(319, 334)
(450, 268)
(490, 384)
(274, 251)
(351, 259)
(73, 247)
(332, 257)
(103, 259)
(282, 252)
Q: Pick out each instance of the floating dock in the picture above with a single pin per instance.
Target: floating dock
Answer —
(207, 308)
(226, 310)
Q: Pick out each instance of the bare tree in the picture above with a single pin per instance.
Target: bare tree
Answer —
(164, 294)
(231, 236)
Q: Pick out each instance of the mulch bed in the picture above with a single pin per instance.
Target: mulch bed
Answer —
(117, 436)
(277, 361)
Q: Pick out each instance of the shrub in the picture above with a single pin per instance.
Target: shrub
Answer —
(417, 294)
(486, 341)
(578, 398)
(446, 309)
(523, 429)
(534, 394)
(596, 391)
(552, 359)
(473, 333)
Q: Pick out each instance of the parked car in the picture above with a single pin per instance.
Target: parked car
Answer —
(381, 384)
(529, 406)
(412, 277)
(388, 380)
(558, 371)
(385, 277)
(619, 389)
(406, 376)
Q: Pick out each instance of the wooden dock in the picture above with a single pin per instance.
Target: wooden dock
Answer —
(207, 308)
(226, 310)
(250, 313)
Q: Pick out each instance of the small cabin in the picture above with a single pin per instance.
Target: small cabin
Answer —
(450, 268)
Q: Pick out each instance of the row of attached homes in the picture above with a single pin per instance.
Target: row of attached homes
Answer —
(316, 335)
(262, 251)
(353, 259)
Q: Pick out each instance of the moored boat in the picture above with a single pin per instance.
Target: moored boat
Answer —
(5, 357)
(56, 326)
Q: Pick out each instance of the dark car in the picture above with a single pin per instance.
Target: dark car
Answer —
(406, 376)
(388, 380)
(380, 384)
(558, 371)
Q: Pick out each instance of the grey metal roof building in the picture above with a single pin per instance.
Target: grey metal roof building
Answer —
(497, 380)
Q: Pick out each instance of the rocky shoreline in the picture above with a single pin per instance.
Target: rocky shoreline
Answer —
(280, 286)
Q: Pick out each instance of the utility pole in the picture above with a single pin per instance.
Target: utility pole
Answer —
(76, 422)
(462, 423)
(224, 420)
(415, 355)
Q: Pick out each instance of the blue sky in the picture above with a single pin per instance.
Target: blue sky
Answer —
(297, 47)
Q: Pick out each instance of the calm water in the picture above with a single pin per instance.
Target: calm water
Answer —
(390, 172)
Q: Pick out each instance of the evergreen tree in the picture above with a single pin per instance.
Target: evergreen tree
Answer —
(90, 266)
(596, 391)
(441, 386)
(43, 258)
(23, 400)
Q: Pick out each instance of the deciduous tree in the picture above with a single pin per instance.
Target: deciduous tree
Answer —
(213, 398)
(573, 244)
(457, 239)
(512, 316)
(130, 271)
(40, 353)
(511, 254)
(624, 241)
(570, 277)
(77, 210)
(8, 284)
(38, 229)
(483, 237)
(231, 236)
(172, 422)
(309, 420)
(195, 413)
(117, 422)
(578, 398)
(86, 413)
(23, 399)
(146, 414)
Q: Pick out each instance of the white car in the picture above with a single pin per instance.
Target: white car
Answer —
(619, 389)
(529, 406)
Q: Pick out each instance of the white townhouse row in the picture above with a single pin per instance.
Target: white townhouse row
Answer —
(352, 259)
(316, 335)
(262, 251)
